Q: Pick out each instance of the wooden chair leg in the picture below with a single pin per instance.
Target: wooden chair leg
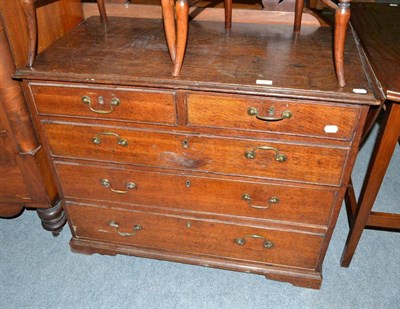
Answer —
(342, 17)
(31, 20)
(182, 20)
(102, 10)
(298, 14)
(176, 28)
(29, 9)
(169, 26)
(228, 14)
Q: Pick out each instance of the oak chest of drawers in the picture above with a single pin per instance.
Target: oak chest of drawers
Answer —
(209, 168)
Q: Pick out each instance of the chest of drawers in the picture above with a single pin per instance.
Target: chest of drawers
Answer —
(207, 169)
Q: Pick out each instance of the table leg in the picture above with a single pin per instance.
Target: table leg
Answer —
(351, 203)
(342, 17)
(350, 197)
(383, 151)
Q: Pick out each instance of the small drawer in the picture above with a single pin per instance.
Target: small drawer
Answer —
(265, 201)
(176, 233)
(120, 104)
(262, 159)
(272, 116)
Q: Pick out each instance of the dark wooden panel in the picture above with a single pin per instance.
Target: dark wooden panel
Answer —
(12, 186)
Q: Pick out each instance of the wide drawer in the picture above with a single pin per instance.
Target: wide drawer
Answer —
(120, 104)
(306, 163)
(196, 236)
(239, 112)
(297, 204)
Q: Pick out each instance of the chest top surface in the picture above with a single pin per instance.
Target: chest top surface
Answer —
(133, 52)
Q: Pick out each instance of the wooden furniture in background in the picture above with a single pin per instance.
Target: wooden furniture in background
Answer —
(213, 167)
(25, 175)
(54, 20)
(378, 28)
(29, 8)
(242, 15)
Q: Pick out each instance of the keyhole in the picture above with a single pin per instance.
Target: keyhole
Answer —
(101, 100)
(271, 111)
(185, 143)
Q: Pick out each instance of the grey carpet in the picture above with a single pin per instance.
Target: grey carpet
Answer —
(39, 271)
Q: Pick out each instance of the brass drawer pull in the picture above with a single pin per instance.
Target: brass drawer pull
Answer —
(252, 111)
(251, 154)
(114, 102)
(107, 184)
(242, 241)
(272, 200)
(120, 141)
(115, 225)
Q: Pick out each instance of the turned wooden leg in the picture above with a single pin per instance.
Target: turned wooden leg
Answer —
(53, 219)
(228, 14)
(31, 20)
(182, 19)
(169, 26)
(298, 14)
(102, 10)
(385, 145)
(176, 30)
(342, 17)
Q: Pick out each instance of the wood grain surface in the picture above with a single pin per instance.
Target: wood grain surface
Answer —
(378, 27)
(298, 65)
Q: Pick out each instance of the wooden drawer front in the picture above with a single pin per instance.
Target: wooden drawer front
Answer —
(306, 119)
(134, 105)
(219, 155)
(203, 194)
(174, 233)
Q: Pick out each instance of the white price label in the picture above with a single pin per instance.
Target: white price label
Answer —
(264, 82)
(331, 129)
